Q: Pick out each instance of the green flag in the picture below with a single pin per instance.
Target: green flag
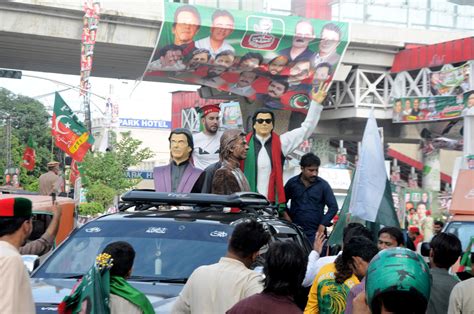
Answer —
(386, 216)
(93, 292)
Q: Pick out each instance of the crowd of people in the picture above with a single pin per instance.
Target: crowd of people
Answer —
(367, 276)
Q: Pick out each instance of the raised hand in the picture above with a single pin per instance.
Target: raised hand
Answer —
(321, 94)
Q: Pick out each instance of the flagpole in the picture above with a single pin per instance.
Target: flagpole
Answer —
(52, 147)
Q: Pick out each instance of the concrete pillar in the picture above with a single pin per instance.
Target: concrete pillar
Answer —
(431, 177)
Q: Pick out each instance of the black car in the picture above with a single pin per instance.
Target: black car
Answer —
(172, 235)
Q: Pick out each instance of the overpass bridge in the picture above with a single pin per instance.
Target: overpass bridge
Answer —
(45, 36)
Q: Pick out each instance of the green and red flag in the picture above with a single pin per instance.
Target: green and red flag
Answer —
(29, 156)
(70, 135)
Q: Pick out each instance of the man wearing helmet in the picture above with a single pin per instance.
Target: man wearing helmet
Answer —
(397, 281)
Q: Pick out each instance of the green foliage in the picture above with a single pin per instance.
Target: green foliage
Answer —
(109, 168)
(90, 209)
(100, 193)
(28, 116)
(32, 186)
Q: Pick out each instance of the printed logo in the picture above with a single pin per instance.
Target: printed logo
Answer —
(156, 230)
(93, 230)
(218, 234)
(299, 101)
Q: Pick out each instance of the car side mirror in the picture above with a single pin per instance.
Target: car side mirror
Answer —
(31, 262)
(425, 249)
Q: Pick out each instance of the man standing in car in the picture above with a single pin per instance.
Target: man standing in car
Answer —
(206, 143)
(309, 194)
(15, 227)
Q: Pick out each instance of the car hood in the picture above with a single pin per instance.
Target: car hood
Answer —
(48, 293)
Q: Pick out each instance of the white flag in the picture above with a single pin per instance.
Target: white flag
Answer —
(370, 177)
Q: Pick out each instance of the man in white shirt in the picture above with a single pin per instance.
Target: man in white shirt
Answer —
(15, 227)
(207, 142)
(222, 26)
(264, 164)
(216, 288)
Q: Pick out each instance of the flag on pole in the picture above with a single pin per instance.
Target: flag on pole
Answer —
(369, 200)
(370, 177)
(70, 135)
(92, 294)
(29, 156)
(76, 171)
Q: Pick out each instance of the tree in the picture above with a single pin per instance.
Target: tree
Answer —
(109, 168)
(28, 116)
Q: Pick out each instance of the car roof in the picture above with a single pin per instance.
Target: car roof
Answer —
(217, 216)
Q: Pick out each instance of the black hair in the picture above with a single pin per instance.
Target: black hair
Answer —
(284, 268)
(167, 48)
(252, 55)
(225, 53)
(413, 302)
(439, 223)
(446, 249)
(186, 132)
(262, 110)
(187, 8)
(343, 269)
(355, 229)
(332, 27)
(324, 65)
(219, 13)
(9, 225)
(123, 255)
(197, 51)
(395, 233)
(309, 160)
(283, 82)
(361, 247)
(248, 237)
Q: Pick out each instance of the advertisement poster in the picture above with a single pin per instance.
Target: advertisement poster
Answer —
(450, 81)
(231, 116)
(420, 204)
(270, 59)
(422, 109)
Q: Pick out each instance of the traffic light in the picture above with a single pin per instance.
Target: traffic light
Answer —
(10, 74)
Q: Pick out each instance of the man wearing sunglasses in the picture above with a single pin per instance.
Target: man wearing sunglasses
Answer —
(263, 166)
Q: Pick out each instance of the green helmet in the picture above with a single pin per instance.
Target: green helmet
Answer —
(395, 273)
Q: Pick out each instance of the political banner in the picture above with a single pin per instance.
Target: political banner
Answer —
(422, 109)
(270, 59)
(450, 81)
(91, 17)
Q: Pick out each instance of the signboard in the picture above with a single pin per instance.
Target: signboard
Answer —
(338, 179)
(144, 123)
(450, 81)
(136, 174)
(422, 109)
(270, 59)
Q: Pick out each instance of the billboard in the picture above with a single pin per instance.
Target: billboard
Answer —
(270, 59)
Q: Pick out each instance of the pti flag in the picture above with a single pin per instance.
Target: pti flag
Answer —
(69, 133)
(29, 156)
(369, 200)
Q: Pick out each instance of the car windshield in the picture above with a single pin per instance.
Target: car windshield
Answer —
(165, 250)
(463, 230)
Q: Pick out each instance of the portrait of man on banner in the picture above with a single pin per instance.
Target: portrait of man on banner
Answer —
(247, 54)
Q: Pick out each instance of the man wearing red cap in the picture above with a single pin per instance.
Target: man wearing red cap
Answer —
(207, 142)
(15, 227)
